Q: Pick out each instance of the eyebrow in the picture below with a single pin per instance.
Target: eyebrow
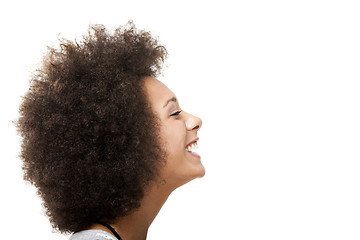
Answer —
(173, 99)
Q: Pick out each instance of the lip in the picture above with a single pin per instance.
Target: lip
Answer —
(194, 155)
(195, 140)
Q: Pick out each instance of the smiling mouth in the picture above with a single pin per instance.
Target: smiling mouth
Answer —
(191, 147)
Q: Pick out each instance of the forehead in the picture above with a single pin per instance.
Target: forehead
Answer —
(157, 92)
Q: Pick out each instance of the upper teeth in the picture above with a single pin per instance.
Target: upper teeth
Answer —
(191, 147)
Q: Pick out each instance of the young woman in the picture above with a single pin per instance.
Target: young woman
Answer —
(104, 141)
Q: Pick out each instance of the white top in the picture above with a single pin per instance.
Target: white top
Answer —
(93, 234)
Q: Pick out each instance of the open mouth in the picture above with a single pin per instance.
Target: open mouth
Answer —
(192, 147)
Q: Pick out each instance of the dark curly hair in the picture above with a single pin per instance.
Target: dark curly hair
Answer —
(90, 141)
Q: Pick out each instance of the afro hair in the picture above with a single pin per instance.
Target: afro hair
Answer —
(90, 141)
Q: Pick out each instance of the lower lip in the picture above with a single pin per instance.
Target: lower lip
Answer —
(194, 154)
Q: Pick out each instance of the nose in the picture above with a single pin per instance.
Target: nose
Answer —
(193, 122)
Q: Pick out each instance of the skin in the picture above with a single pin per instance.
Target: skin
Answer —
(176, 132)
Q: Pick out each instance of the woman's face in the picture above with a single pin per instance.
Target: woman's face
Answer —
(178, 135)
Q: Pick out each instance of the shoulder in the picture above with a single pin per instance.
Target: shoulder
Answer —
(92, 235)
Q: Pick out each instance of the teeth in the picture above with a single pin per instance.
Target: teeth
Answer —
(192, 147)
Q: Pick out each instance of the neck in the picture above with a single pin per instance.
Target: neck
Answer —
(135, 225)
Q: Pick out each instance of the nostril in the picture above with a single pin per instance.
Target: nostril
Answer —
(197, 127)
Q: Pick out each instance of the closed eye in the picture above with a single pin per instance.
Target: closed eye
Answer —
(176, 113)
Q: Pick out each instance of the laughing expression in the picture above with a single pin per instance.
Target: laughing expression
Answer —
(178, 133)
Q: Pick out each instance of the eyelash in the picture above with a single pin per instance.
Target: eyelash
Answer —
(176, 113)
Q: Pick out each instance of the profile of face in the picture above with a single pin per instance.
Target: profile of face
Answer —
(178, 133)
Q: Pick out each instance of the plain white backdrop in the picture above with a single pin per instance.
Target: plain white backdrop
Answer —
(276, 83)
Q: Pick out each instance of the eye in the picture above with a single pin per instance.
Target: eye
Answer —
(176, 113)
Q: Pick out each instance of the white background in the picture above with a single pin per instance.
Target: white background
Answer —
(276, 84)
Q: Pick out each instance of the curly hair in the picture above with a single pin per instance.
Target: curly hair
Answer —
(90, 141)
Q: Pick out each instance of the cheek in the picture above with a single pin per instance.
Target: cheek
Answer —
(174, 145)
(174, 137)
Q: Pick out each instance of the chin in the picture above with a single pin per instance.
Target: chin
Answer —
(200, 172)
(189, 178)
